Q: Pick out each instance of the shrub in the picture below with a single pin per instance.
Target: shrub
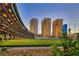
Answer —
(71, 47)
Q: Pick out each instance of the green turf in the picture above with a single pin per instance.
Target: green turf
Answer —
(30, 42)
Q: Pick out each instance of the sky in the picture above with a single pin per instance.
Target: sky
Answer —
(69, 13)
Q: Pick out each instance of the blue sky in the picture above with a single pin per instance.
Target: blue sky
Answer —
(69, 13)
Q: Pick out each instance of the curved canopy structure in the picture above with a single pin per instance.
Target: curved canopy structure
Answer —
(11, 23)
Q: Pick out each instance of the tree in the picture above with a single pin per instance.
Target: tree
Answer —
(69, 30)
(71, 47)
(77, 36)
(64, 35)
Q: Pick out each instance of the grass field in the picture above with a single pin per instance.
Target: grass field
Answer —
(31, 42)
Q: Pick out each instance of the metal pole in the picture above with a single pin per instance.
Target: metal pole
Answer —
(75, 27)
(35, 35)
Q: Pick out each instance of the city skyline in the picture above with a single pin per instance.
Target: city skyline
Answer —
(68, 12)
(57, 27)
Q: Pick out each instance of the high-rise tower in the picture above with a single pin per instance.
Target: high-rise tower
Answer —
(57, 27)
(46, 27)
(34, 25)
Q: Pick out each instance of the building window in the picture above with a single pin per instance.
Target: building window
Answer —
(6, 4)
(12, 15)
(4, 15)
(12, 23)
(9, 20)
(4, 28)
(14, 18)
(5, 25)
(0, 8)
(10, 10)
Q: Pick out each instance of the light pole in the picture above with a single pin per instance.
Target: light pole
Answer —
(35, 35)
(75, 27)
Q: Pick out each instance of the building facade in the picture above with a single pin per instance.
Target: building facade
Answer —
(10, 22)
(46, 27)
(34, 25)
(57, 27)
(65, 28)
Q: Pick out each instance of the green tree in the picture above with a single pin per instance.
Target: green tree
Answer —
(71, 47)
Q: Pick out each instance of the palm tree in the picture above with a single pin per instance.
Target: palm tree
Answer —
(69, 30)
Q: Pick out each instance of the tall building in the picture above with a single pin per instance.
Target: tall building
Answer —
(46, 27)
(57, 27)
(65, 28)
(34, 25)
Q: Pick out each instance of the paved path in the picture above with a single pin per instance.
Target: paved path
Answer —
(29, 47)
